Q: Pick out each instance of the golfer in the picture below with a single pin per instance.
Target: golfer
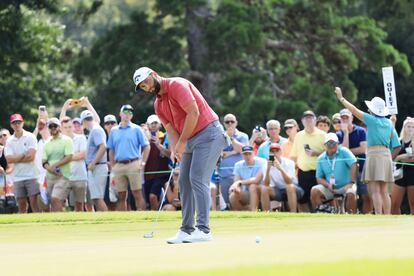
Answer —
(196, 140)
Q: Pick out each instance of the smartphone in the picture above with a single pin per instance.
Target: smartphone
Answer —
(153, 133)
(75, 102)
(306, 147)
(271, 157)
(42, 108)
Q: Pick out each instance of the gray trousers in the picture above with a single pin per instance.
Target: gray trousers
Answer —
(198, 162)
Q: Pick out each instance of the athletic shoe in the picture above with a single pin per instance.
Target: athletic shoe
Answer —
(198, 236)
(178, 238)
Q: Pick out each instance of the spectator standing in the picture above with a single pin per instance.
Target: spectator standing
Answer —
(111, 195)
(308, 144)
(323, 123)
(291, 128)
(336, 122)
(125, 144)
(378, 171)
(231, 154)
(273, 129)
(21, 150)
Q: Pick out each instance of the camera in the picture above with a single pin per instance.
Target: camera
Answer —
(257, 128)
(271, 157)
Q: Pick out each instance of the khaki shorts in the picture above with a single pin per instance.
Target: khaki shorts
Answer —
(329, 195)
(127, 173)
(58, 188)
(79, 190)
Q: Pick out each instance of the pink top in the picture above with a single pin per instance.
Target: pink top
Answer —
(178, 94)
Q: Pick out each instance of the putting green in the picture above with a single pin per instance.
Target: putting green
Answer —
(292, 244)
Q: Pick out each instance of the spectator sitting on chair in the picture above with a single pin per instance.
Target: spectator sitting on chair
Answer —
(172, 197)
(248, 175)
(336, 173)
(280, 181)
(259, 135)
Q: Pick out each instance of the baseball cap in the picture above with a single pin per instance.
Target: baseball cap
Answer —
(110, 118)
(274, 146)
(152, 119)
(76, 120)
(140, 75)
(53, 121)
(16, 117)
(345, 112)
(308, 113)
(290, 123)
(331, 137)
(246, 149)
(85, 115)
(127, 107)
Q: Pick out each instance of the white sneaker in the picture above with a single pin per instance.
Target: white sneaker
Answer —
(198, 236)
(178, 238)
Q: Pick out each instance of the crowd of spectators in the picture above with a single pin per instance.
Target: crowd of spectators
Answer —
(321, 165)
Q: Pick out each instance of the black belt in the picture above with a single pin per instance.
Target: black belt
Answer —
(127, 161)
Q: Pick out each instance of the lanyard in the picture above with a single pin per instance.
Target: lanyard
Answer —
(331, 164)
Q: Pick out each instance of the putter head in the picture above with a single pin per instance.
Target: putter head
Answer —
(149, 235)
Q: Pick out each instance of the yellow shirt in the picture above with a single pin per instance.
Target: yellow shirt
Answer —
(315, 141)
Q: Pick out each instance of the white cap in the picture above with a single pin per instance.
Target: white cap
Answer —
(377, 106)
(52, 121)
(152, 119)
(110, 118)
(86, 114)
(331, 137)
(140, 75)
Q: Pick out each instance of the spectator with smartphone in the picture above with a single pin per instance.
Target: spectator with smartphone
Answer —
(259, 135)
(158, 160)
(273, 129)
(308, 145)
(280, 182)
(20, 150)
(57, 157)
(248, 175)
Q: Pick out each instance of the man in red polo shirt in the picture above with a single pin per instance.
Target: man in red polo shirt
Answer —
(196, 139)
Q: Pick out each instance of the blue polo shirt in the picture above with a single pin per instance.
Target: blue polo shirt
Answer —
(242, 170)
(342, 161)
(395, 141)
(263, 150)
(356, 136)
(227, 164)
(126, 142)
(379, 130)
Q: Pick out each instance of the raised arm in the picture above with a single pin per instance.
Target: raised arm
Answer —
(354, 110)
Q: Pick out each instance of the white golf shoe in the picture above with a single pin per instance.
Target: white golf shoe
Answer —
(198, 236)
(178, 238)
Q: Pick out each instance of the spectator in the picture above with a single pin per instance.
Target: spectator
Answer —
(125, 144)
(353, 137)
(280, 181)
(336, 122)
(248, 175)
(231, 154)
(336, 173)
(172, 198)
(158, 160)
(323, 123)
(405, 185)
(273, 129)
(5, 168)
(4, 135)
(96, 160)
(291, 128)
(21, 150)
(77, 126)
(57, 156)
(111, 195)
(379, 135)
(78, 177)
(308, 144)
(259, 135)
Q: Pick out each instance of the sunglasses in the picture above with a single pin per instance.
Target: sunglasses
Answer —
(128, 112)
(16, 123)
(229, 122)
(289, 127)
(110, 123)
(53, 126)
(331, 143)
(336, 122)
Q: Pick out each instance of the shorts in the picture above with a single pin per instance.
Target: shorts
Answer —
(408, 177)
(97, 181)
(128, 173)
(281, 195)
(329, 195)
(79, 190)
(306, 181)
(26, 188)
(154, 186)
(58, 188)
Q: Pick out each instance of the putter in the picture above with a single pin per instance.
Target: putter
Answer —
(151, 234)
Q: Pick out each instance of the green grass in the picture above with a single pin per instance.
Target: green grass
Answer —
(292, 244)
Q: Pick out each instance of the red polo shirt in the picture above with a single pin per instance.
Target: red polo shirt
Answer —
(178, 93)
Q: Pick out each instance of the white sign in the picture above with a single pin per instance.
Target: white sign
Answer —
(389, 89)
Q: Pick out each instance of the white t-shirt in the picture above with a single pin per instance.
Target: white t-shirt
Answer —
(79, 172)
(276, 177)
(14, 145)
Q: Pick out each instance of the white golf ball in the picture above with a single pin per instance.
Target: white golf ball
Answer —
(258, 239)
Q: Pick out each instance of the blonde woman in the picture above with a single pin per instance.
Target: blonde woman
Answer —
(377, 171)
(406, 184)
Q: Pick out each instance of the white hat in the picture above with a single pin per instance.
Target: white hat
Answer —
(53, 121)
(140, 75)
(110, 118)
(331, 137)
(152, 119)
(377, 106)
(86, 114)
